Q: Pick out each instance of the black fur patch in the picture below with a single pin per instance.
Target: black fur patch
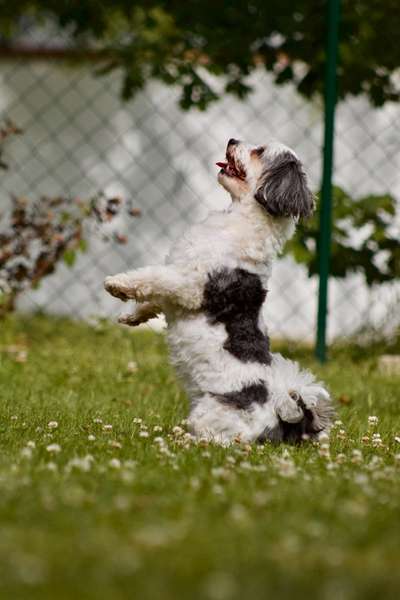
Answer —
(244, 398)
(234, 297)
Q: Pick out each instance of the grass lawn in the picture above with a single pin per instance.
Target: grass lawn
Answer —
(101, 498)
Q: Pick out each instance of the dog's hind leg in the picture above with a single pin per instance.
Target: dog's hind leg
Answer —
(302, 404)
(141, 314)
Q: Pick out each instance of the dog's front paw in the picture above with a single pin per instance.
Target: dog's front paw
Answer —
(117, 286)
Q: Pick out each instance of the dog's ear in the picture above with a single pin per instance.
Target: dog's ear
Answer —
(283, 190)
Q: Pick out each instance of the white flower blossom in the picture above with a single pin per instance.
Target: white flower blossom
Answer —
(26, 453)
(132, 366)
(53, 448)
(83, 464)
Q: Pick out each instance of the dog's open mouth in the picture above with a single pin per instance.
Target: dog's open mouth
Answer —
(231, 169)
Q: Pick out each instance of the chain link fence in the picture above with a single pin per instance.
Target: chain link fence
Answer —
(79, 138)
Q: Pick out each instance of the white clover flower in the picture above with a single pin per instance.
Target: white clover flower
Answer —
(157, 428)
(341, 458)
(177, 430)
(51, 467)
(377, 441)
(330, 466)
(132, 367)
(357, 456)
(375, 463)
(245, 465)
(114, 444)
(143, 434)
(202, 442)
(53, 448)
(158, 440)
(115, 463)
(165, 450)
(373, 420)
(52, 424)
(83, 464)
(220, 473)
(218, 489)
(195, 482)
(361, 478)
(26, 453)
(338, 423)
(98, 421)
(286, 467)
(14, 417)
(324, 451)
(91, 437)
(137, 420)
(127, 476)
(239, 513)
(397, 439)
(31, 444)
(107, 427)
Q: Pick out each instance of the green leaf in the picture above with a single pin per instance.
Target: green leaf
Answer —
(83, 245)
(69, 257)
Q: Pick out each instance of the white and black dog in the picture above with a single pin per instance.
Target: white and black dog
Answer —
(212, 289)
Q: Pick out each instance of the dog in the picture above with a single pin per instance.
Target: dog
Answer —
(211, 291)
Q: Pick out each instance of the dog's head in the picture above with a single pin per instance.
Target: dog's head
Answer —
(271, 174)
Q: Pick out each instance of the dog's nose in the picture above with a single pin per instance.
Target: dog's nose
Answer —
(233, 142)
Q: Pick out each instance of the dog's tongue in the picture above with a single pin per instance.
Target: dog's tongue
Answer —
(223, 165)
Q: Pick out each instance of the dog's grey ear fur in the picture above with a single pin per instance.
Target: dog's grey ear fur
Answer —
(284, 191)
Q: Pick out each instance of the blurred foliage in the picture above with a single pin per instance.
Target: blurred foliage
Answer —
(36, 235)
(365, 238)
(183, 42)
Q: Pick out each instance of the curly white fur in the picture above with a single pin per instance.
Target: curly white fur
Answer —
(244, 237)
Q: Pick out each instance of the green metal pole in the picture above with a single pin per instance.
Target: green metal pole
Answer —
(326, 192)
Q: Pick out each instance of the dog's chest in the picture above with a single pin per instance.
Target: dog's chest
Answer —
(223, 239)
